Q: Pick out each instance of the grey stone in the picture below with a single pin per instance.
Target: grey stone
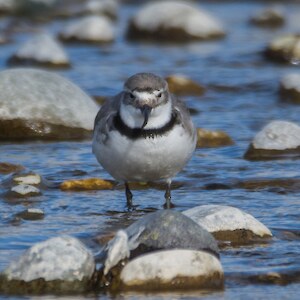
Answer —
(52, 107)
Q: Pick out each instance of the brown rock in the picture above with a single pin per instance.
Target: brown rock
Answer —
(86, 184)
(7, 168)
(270, 17)
(210, 138)
(180, 85)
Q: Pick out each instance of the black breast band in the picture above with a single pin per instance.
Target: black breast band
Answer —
(136, 133)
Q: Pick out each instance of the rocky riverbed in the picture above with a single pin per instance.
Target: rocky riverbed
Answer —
(64, 226)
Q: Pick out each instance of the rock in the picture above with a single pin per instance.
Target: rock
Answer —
(228, 223)
(52, 107)
(7, 6)
(173, 21)
(285, 48)
(268, 17)
(277, 140)
(87, 184)
(210, 138)
(31, 214)
(290, 88)
(173, 269)
(26, 190)
(7, 168)
(108, 8)
(168, 230)
(28, 179)
(41, 50)
(91, 29)
(181, 85)
(60, 264)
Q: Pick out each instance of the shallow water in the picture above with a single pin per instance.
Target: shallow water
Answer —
(241, 97)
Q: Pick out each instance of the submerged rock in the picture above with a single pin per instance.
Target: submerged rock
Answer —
(278, 139)
(210, 138)
(268, 17)
(228, 223)
(60, 264)
(7, 168)
(173, 21)
(26, 190)
(173, 269)
(181, 85)
(31, 214)
(91, 29)
(43, 50)
(285, 48)
(86, 184)
(290, 88)
(52, 107)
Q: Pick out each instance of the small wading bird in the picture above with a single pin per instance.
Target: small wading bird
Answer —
(144, 134)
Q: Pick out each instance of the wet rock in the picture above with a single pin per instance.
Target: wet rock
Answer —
(41, 50)
(181, 85)
(30, 214)
(49, 107)
(290, 88)
(86, 184)
(277, 140)
(268, 17)
(7, 6)
(282, 278)
(28, 179)
(25, 190)
(7, 168)
(107, 8)
(91, 29)
(228, 223)
(173, 21)
(168, 230)
(210, 138)
(173, 269)
(60, 264)
(285, 48)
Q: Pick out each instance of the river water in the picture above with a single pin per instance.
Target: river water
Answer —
(242, 96)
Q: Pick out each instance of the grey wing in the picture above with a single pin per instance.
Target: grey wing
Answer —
(184, 115)
(104, 118)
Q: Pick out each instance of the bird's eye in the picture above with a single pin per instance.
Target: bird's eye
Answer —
(159, 95)
(131, 95)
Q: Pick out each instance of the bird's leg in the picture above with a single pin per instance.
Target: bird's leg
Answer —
(128, 196)
(168, 203)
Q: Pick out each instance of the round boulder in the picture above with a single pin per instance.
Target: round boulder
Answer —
(173, 21)
(52, 107)
(173, 269)
(90, 29)
(290, 88)
(212, 138)
(228, 223)
(268, 17)
(277, 140)
(42, 50)
(285, 48)
(59, 264)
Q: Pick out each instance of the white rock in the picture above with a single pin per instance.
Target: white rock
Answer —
(43, 48)
(177, 14)
(164, 266)
(90, 29)
(36, 211)
(59, 258)
(215, 218)
(24, 189)
(278, 135)
(102, 7)
(291, 81)
(44, 96)
(29, 179)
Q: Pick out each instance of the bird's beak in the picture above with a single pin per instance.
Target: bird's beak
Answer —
(146, 110)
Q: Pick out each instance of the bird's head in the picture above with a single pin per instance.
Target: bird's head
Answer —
(145, 98)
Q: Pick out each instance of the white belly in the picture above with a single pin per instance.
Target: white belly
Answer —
(145, 159)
